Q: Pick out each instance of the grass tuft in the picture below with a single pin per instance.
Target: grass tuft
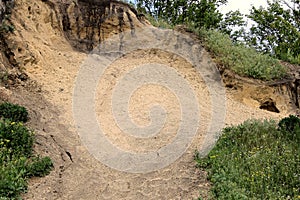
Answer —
(159, 23)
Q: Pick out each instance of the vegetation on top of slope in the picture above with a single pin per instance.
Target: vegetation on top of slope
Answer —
(239, 58)
(159, 23)
(276, 30)
(243, 60)
(17, 161)
(217, 37)
(256, 160)
(202, 13)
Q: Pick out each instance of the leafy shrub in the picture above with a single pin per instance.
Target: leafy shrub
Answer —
(17, 163)
(16, 137)
(13, 112)
(254, 160)
(242, 60)
(12, 176)
(39, 166)
(289, 123)
(239, 58)
(15, 171)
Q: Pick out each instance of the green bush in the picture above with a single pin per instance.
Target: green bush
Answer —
(15, 171)
(17, 163)
(255, 160)
(289, 123)
(39, 166)
(239, 58)
(16, 137)
(12, 176)
(13, 112)
(242, 60)
(291, 127)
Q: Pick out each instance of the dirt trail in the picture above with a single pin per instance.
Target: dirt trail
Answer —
(77, 174)
(85, 177)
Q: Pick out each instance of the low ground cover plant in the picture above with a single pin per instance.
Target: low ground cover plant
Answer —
(256, 160)
(241, 59)
(17, 160)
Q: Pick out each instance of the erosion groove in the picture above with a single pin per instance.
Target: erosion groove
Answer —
(87, 23)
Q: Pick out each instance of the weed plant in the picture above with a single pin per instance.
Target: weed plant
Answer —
(17, 161)
(241, 59)
(256, 160)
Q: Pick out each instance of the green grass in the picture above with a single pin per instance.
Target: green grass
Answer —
(17, 161)
(256, 160)
(291, 58)
(159, 23)
(241, 59)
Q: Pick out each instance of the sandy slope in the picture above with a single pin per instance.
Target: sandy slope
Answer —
(85, 177)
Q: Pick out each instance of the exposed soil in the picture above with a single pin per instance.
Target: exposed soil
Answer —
(50, 57)
(278, 96)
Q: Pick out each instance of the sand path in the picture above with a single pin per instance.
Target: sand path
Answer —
(78, 174)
